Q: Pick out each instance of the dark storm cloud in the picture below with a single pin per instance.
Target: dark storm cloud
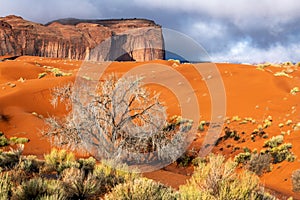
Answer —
(239, 31)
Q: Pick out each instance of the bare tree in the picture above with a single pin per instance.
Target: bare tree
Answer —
(117, 119)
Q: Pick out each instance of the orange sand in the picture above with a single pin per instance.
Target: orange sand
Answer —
(249, 93)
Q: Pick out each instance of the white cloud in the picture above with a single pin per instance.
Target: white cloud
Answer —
(243, 13)
(243, 51)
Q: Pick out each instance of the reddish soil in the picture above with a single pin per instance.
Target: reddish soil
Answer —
(249, 93)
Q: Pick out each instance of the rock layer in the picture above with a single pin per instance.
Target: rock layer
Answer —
(123, 39)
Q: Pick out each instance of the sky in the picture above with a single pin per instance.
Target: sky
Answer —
(244, 31)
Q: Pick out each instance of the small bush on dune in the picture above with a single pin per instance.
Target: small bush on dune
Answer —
(109, 177)
(260, 164)
(32, 189)
(59, 160)
(78, 186)
(141, 189)
(87, 165)
(20, 140)
(3, 140)
(11, 158)
(282, 153)
(218, 180)
(30, 164)
(242, 157)
(274, 141)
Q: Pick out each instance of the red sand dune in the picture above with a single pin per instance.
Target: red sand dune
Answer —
(249, 93)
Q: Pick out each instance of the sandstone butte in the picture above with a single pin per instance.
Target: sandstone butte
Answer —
(120, 39)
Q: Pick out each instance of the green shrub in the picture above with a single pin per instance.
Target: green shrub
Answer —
(242, 157)
(55, 190)
(20, 140)
(201, 126)
(141, 189)
(274, 141)
(296, 180)
(231, 134)
(5, 186)
(109, 175)
(3, 141)
(59, 160)
(295, 90)
(57, 72)
(31, 189)
(197, 161)
(30, 164)
(87, 165)
(177, 122)
(9, 159)
(217, 179)
(282, 153)
(184, 160)
(78, 186)
(41, 75)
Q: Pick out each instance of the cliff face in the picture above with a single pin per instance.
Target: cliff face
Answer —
(129, 39)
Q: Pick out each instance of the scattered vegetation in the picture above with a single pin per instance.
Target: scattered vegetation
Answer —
(217, 179)
(294, 90)
(282, 73)
(141, 189)
(42, 75)
(275, 152)
(274, 141)
(59, 160)
(57, 72)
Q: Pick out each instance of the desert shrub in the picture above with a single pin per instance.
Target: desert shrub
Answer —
(296, 180)
(5, 186)
(20, 140)
(87, 165)
(141, 189)
(260, 164)
(282, 153)
(9, 159)
(59, 160)
(137, 125)
(274, 141)
(41, 75)
(198, 160)
(3, 140)
(201, 126)
(30, 164)
(108, 174)
(231, 134)
(295, 90)
(57, 72)
(78, 186)
(242, 157)
(31, 189)
(55, 190)
(217, 179)
(18, 176)
(185, 160)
